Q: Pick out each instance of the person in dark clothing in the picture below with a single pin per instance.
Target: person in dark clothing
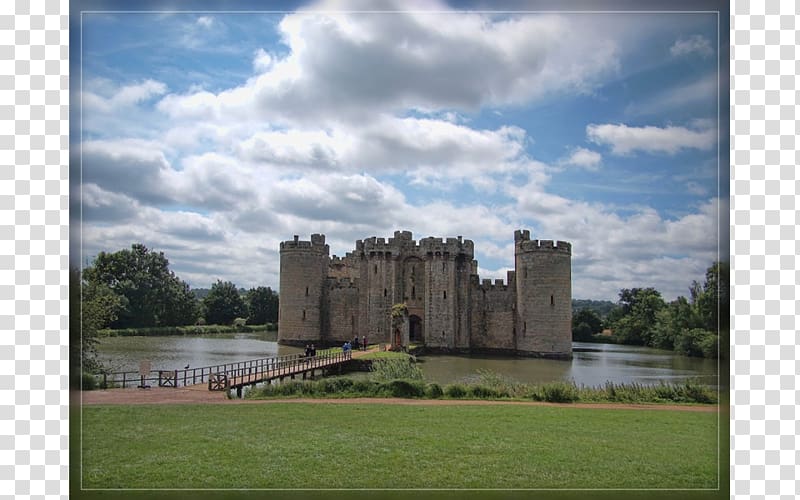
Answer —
(313, 350)
(308, 353)
(364, 343)
(355, 343)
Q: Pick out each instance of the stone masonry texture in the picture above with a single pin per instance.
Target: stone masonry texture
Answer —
(328, 299)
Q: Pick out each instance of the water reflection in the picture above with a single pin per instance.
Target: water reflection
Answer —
(175, 352)
(592, 364)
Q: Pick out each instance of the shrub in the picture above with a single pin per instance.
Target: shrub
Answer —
(404, 388)
(556, 392)
(88, 382)
(708, 346)
(500, 384)
(433, 390)
(290, 388)
(483, 392)
(696, 342)
(455, 391)
(334, 385)
(392, 369)
(365, 387)
(697, 393)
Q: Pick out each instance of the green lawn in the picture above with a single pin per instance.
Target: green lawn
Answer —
(394, 446)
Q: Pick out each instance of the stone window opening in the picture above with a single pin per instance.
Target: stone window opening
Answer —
(376, 269)
(444, 294)
(524, 327)
(413, 292)
(444, 266)
(304, 314)
(306, 291)
(384, 292)
(552, 301)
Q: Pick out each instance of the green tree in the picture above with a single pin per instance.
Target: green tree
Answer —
(679, 315)
(92, 307)
(638, 307)
(586, 323)
(713, 302)
(151, 294)
(262, 305)
(697, 342)
(223, 304)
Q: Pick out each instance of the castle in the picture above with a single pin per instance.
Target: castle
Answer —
(328, 300)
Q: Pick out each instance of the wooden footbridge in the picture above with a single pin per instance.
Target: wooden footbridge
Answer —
(231, 376)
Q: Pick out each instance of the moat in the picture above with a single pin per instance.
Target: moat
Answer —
(592, 364)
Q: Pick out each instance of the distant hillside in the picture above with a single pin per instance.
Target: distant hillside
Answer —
(601, 307)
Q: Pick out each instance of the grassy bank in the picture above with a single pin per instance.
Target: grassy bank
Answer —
(555, 392)
(401, 377)
(188, 330)
(394, 446)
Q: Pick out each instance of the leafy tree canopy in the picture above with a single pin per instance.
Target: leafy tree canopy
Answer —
(262, 306)
(696, 327)
(92, 307)
(586, 323)
(223, 304)
(151, 294)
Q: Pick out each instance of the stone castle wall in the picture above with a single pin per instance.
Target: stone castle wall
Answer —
(342, 312)
(332, 299)
(492, 313)
(544, 295)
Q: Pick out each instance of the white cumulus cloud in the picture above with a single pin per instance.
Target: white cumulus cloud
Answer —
(582, 157)
(650, 139)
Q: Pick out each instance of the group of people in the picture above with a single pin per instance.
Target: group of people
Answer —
(355, 345)
(311, 351)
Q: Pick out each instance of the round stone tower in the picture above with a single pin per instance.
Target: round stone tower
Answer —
(304, 267)
(543, 320)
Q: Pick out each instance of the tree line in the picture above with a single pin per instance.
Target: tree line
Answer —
(690, 326)
(136, 289)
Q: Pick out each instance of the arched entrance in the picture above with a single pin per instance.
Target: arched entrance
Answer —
(415, 328)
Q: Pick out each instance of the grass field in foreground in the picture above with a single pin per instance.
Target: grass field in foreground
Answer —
(395, 446)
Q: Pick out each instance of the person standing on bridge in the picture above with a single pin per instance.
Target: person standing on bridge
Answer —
(308, 353)
(364, 342)
(313, 351)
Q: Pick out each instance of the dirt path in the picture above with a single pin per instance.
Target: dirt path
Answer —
(201, 395)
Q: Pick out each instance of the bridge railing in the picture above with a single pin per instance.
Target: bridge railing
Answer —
(271, 367)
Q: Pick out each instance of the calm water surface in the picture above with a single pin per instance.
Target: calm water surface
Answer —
(592, 364)
(175, 352)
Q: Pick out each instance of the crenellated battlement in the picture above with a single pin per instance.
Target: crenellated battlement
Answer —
(529, 246)
(452, 246)
(316, 245)
(403, 243)
(328, 298)
(486, 284)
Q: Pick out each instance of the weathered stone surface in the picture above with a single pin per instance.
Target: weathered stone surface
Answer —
(328, 299)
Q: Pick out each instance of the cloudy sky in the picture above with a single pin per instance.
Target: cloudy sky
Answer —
(213, 136)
